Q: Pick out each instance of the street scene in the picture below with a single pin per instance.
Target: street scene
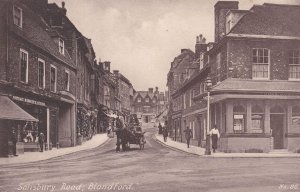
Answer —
(149, 95)
(156, 168)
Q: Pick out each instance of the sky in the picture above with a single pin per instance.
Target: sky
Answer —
(142, 37)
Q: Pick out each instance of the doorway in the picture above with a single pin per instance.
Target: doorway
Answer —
(277, 126)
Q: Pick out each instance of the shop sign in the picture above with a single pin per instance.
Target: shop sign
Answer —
(29, 101)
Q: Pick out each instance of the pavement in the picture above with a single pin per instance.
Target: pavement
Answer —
(201, 151)
(27, 157)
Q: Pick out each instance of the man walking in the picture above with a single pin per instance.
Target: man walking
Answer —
(188, 135)
(165, 134)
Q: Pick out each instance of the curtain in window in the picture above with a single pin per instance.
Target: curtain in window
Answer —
(260, 70)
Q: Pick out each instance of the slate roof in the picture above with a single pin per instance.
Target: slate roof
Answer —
(270, 19)
(247, 85)
(35, 30)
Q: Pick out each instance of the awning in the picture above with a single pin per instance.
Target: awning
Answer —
(10, 110)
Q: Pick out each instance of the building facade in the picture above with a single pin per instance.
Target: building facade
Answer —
(254, 69)
(38, 74)
(148, 104)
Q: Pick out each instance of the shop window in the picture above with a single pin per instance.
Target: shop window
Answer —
(257, 119)
(53, 77)
(18, 16)
(294, 65)
(41, 73)
(238, 119)
(296, 116)
(260, 67)
(24, 66)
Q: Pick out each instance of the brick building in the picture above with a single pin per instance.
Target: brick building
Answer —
(38, 74)
(254, 66)
(125, 93)
(148, 104)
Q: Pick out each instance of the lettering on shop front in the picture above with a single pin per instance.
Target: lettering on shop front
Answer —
(28, 101)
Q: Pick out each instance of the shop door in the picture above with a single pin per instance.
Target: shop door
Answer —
(277, 130)
(53, 127)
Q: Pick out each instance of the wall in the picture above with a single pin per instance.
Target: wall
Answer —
(33, 55)
(240, 57)
(240, 144)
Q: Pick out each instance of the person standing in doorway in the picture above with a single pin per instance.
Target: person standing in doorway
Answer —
(188, 136)
(41, 141)
(215, 135)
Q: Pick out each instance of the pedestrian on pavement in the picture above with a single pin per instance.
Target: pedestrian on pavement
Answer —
(188, 136)
(41, 141)
(160, 131)
(165, 134)
(119, 125)
(215, 135)
(14, 139)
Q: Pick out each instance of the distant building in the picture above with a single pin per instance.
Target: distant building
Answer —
(148, 104)
(125, 93)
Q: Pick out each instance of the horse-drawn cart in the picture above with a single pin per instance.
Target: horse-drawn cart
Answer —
(134, 135)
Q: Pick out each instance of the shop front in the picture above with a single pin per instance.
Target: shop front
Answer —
(257, 123)
(16, 125)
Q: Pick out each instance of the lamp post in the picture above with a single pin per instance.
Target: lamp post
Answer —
(208, 86)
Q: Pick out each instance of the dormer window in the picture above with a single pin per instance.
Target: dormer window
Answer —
(61, 46)
(139, 100)
(147, 100)
(18, 16)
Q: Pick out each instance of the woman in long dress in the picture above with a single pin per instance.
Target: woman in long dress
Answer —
(215, 135)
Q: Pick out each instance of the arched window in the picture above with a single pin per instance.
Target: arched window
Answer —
(257, 119)
(239, 115)
(296, 116)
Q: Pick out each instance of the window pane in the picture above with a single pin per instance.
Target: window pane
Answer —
(41, 74)
(23, 73)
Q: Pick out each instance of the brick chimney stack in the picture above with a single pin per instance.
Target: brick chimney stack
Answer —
(64, 10)
(221, 8)
(150, 90)
(201, 46)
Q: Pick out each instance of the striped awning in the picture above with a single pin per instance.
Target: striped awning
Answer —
(11, 111)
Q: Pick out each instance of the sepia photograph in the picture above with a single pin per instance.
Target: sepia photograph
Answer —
(150, 95)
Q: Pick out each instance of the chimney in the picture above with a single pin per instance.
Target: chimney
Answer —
(184, 50)
(221, 9)
(201, 46)
(150, 90)
(64, 10)
(116, 72)
(107, 66)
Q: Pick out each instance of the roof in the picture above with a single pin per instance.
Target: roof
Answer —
(35, 30)
(246, 85)
(11, 111)
(270, 19)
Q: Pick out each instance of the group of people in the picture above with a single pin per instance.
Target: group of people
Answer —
(14, 139)
(214, 133)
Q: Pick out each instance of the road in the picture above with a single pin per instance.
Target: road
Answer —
(155, 168)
